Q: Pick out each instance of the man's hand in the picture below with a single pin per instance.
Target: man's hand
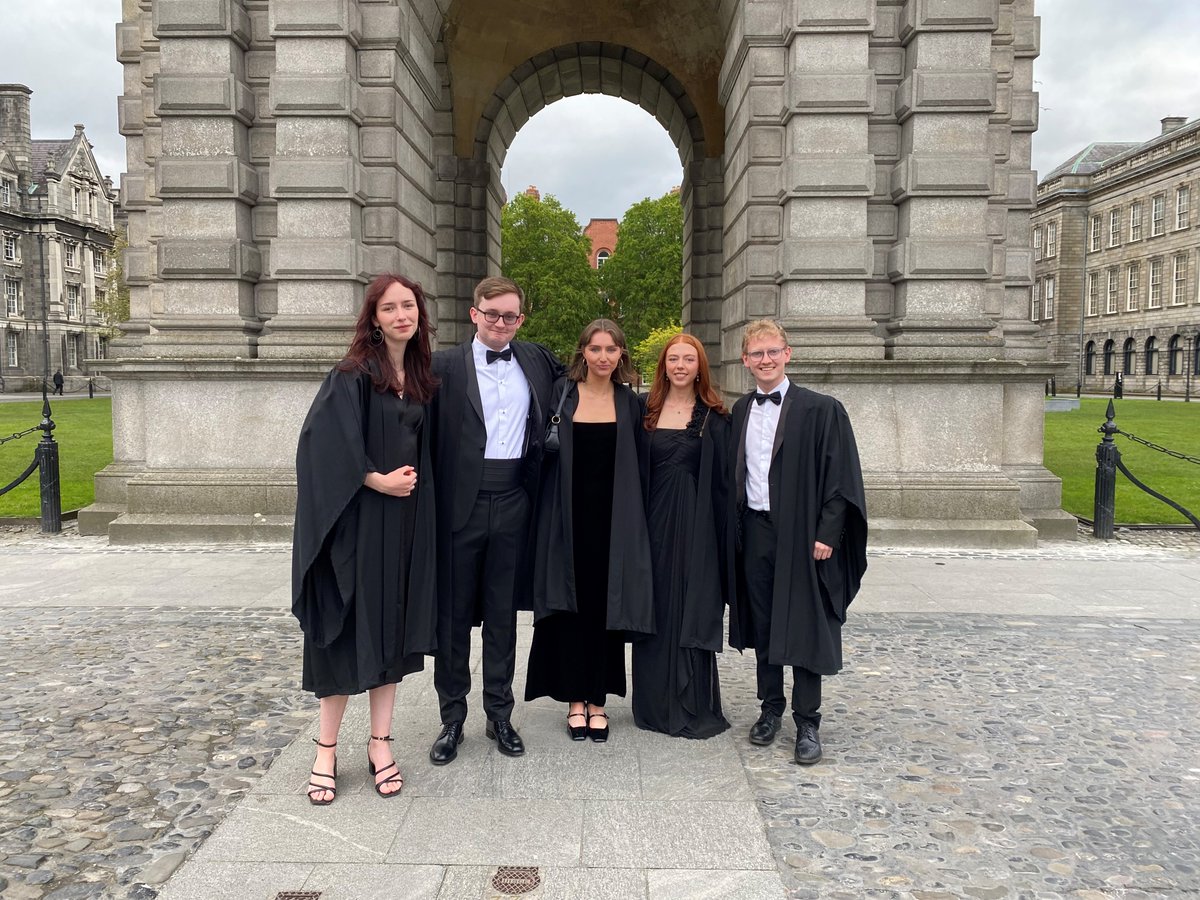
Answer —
(399, 482)
(821, 551)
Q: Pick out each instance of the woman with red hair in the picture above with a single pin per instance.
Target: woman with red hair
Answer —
(362, 560)
(685, 433)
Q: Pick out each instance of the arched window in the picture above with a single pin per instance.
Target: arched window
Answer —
(1108, 356)
(1174, 356)
(1151, 356)
(601, 258)
(1089, 359)
(1128, 352)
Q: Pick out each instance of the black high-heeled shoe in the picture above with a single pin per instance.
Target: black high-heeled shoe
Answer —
(391, 778)
(599, 735)
(577, 733)
(314, 788)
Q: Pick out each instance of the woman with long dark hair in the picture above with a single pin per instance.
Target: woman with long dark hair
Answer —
(363, 584)
(685, 437)
(592, 571)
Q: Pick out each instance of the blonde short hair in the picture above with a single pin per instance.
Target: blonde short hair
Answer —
(762, 328)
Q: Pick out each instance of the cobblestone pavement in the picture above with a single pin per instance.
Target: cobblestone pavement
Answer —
(127, 735)
(978, 756)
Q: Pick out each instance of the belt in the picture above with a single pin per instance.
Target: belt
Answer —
(500, 475)
(764, 514)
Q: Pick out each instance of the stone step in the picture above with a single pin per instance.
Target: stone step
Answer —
(145, 528)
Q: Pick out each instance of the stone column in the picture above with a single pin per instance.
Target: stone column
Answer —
(828, 178)
(942, 261)
(317, 179)
(207, 261)
(702, 196)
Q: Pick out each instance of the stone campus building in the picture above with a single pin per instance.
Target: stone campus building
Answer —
(1117, 257)
(859, 169)
(56, 231)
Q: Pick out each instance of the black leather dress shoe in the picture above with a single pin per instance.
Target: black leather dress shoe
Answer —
(445, 748)
(808, 744)
(507, 740)
(764, 730)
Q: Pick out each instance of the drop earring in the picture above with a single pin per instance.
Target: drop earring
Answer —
(376, 337)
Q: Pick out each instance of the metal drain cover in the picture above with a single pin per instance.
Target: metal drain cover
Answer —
(516, 880)
(298, 895)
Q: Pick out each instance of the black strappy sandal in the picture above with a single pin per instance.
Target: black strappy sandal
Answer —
(391, 778)
(314, 788)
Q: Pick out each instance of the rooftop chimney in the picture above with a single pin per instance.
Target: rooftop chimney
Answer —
(1170, 123)
(14, 121)
(533, 192)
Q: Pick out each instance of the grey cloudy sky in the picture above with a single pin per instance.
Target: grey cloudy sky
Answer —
(1109, 70)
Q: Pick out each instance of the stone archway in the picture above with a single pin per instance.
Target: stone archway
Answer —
(473, 215)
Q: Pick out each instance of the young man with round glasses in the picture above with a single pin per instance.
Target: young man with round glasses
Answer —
(800, 535)
(490, 416)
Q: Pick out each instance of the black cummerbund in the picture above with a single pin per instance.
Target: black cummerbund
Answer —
(500, 475)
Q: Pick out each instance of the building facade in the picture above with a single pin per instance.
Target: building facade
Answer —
(858, 169)
(603, 235)
(1116, 239)
(56, 233)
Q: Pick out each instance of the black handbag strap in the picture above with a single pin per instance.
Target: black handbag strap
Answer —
(562, 398)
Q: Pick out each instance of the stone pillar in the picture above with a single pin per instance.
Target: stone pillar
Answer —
(703, 196)
(942, 262)
(317, 179)
(828, 178)
(207, 260)
(752, 86)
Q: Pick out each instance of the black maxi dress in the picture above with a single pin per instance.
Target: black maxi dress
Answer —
(675, 687)
(361, 588)
(574, 657)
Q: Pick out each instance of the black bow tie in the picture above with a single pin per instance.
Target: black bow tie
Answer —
(775, 397)
(505, 354)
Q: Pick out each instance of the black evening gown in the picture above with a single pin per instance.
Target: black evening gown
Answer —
(367, 653)
(675, 689)
(574, 656)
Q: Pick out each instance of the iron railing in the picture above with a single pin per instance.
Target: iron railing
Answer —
(45, 462)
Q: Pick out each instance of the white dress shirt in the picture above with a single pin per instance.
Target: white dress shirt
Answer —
(761, 424)
(504, 391)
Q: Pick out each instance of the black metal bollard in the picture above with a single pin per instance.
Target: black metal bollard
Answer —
(1103, 513)
(1047, 388)
(1078, 389)
(91, 390)
(47, 457)
(1159, 391)
(1053, 386)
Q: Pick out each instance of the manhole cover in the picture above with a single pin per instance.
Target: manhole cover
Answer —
(516, 879)
(298, 895)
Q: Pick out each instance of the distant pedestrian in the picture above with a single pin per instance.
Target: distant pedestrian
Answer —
(58, 381)
(363, 570)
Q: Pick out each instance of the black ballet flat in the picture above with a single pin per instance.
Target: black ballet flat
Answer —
(598, 735)
(580, 733)
(391, 779)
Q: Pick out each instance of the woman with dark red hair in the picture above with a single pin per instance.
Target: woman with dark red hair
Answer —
(685, 434)
(363, 583)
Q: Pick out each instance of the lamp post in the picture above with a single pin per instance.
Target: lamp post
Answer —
(47, 448)
(1189, 367)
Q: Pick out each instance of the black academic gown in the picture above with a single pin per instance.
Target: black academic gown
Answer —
(630, 595)
(340, 442)
(706, 596)
(816, 490)
(460, 440)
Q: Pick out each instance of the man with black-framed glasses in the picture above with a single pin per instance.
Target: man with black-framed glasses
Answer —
(490, 416)
(799, 530)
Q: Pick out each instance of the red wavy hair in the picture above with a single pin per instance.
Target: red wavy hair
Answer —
(658, 390)
(419, 381)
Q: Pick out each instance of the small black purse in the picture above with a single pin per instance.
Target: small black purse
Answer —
(552, 443)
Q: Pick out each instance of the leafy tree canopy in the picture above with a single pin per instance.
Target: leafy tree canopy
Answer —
(645, 353)
(643, 279)
(113, 307)
(544, 250)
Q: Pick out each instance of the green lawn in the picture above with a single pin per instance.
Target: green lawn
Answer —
(84, 436)
(1071, 439)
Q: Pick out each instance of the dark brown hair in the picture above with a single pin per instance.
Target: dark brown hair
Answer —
(623, 372)
(372, 358)
(658, 390)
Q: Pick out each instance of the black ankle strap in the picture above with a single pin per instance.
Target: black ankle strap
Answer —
(326, 746)
(387, 738)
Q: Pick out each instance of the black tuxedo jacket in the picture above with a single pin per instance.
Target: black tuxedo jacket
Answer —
(460, 435)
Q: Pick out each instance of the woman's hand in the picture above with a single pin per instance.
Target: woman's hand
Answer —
(399, 482)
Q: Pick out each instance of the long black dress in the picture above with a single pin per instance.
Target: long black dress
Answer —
(675, 686)
(574, 657)
(363, 585)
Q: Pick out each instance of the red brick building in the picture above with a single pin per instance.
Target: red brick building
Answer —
(603, 235)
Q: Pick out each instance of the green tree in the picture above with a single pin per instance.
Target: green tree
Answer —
(113, 307)
(645, 352)
(543, 249)
(643, 279)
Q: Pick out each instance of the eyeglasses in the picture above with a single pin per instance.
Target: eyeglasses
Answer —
(493, 317)
(771, 353)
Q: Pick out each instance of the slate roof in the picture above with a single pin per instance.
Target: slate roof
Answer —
(1091, 158)
(47, 153)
